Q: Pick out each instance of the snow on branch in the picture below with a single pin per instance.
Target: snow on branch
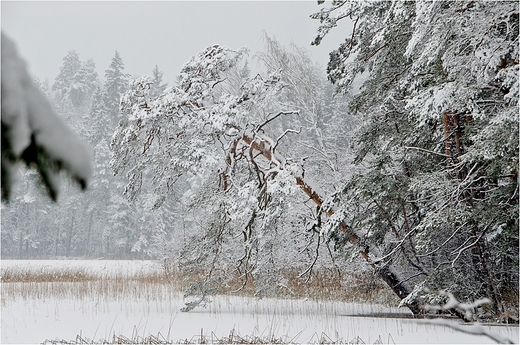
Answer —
(465, 311)
(468, 310)
(33, 133)
(475, 329)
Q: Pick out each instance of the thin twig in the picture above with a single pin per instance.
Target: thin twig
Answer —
(449, 238)
(428, 151)
(472, 244)
(287, 131)
(309, 269)
(276, 116)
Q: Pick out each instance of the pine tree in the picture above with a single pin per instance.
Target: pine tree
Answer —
(98, 122)
(65, 79)
(84, 83)
(75, 82)
(157, 87)
(439, 145)
(208, 139)
(115, 85)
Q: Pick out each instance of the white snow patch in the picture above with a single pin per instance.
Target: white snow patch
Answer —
(298, 321)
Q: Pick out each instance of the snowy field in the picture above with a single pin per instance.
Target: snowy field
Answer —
(32, 320)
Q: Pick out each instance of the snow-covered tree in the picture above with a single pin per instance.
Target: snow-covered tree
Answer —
(194, 132)
(76, 81)
(224, 138)
(115, 85)
(85, 82)
(324, 138)
(96, 123)
(69, 69)
(439, 142)
(157, 87)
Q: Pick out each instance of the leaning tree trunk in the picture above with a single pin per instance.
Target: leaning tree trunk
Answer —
(389, 276)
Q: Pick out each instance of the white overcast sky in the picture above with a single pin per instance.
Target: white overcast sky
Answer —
(159, 33)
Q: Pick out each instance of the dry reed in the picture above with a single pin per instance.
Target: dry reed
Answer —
(157, 284)
(232, 338)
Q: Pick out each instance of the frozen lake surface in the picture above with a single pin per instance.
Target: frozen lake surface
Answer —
(34, 320)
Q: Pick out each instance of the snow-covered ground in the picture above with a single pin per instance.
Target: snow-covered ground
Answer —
(31, 321)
